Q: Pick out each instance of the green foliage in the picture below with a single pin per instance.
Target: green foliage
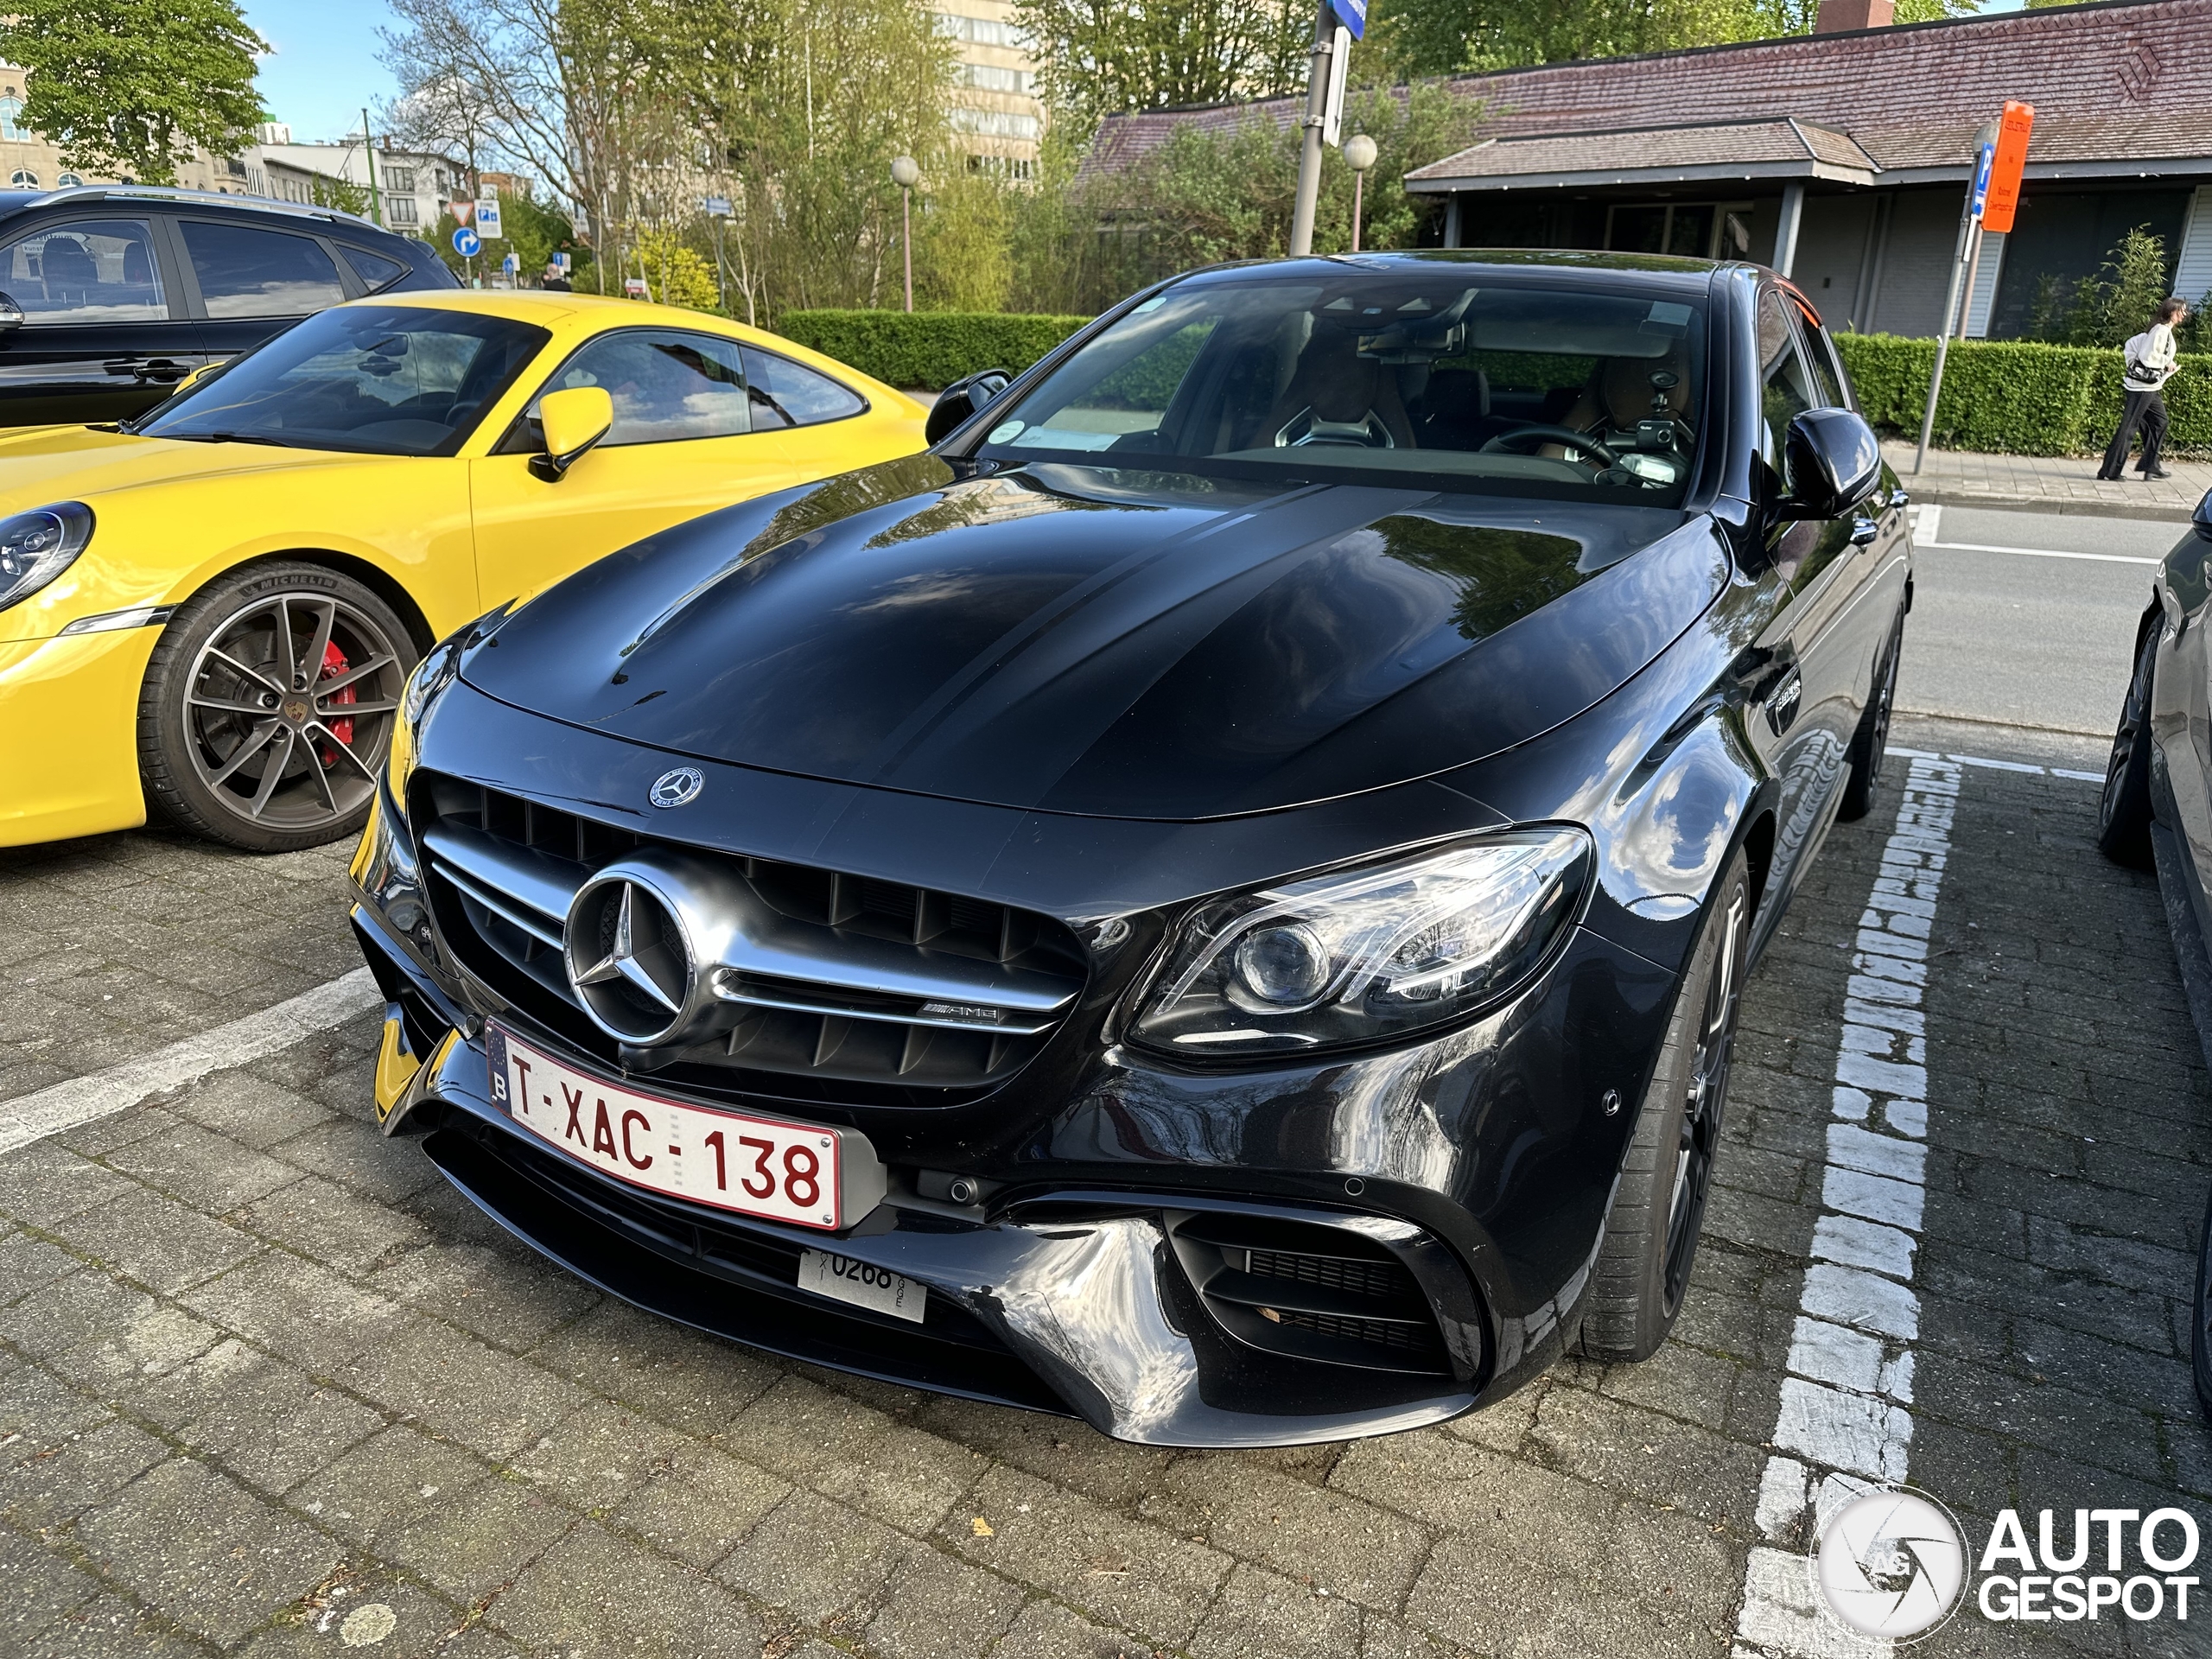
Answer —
(675, 273)
(2122, 301)
(963, 228)
(1102, 57)
(1205, 196)
(327, 191)
(130, 87)
(536, 233)
(2012, 397)
(929, 350)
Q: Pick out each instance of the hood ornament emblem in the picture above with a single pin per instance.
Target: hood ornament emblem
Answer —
(677, 788)
(620, 962)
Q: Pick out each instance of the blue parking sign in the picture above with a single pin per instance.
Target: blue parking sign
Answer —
(465, 242)
(1352, 13)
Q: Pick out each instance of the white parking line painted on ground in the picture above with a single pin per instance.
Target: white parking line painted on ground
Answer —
(1927, 531)
(1998, 766)
(65, 1105)
(1845, 1420)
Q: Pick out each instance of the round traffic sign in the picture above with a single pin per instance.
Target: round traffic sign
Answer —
(466, 243)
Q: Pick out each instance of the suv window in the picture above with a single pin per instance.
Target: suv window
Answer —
(667, 385)
(1787, 389)
(373, 269)
(247, 272)
(92, 271)
(785, 394)
(1828, 372)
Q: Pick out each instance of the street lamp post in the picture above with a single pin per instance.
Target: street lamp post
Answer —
(1359, 155)
(906, 172)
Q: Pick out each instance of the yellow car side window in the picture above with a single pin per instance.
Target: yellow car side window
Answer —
(666, 385)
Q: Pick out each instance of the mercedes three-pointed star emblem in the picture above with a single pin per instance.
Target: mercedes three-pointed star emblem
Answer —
(621, 960)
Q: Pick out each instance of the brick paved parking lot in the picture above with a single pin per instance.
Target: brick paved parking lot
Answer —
(268, 1386)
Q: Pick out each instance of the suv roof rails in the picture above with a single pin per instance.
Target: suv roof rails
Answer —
(213, 197)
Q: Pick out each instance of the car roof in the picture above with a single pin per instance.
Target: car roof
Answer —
(1600, 268)
(339, 221)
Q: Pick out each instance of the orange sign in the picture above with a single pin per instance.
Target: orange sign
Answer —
(2004, 173)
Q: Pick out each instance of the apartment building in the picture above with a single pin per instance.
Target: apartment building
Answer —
(997, 118)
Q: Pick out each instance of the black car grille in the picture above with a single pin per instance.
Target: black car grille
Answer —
(502, 870)
(1311, 1292)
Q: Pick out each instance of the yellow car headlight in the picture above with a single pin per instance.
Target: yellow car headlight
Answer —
(37, 546)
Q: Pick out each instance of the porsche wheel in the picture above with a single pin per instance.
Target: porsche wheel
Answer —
(1651, 1236)
(2124, 809)
(268, 706)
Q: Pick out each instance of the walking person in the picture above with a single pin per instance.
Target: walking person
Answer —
(2152, 358)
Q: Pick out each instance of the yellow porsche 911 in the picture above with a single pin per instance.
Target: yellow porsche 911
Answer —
(212, 610)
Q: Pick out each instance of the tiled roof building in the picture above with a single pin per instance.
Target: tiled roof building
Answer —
(1863, 135)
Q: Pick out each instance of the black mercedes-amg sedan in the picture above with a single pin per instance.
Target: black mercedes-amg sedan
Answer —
(1215, 900)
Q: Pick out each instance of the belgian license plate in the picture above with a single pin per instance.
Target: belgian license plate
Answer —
(756, 1167)
(862, 1284)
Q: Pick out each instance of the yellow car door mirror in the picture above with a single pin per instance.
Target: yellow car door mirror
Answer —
(572, 420)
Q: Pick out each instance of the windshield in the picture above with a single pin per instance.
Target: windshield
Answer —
(374, 379)
(1443, 372)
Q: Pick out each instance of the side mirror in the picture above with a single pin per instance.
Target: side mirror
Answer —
(572, 420)
(11, 315)
(962, 399)
(1834, 463)
(2202, 519)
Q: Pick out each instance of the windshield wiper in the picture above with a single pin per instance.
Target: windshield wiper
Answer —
(222, 437)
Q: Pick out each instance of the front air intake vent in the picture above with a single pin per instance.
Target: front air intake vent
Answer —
(907, 992)
(1310, 1291)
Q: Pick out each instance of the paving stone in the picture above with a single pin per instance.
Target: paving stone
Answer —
(1048, 1631)
(97, 1332)
(358, 1158)
(598, 1455)
(593, 1593)
(471, 1544)
(336, 1618)
(1659, 1458)
(505, 1294)
(249, 1109)
(161, 1243)
(1261, 1612)
(325, 1222)
(111, 1627)
(690, 1381)
(697, 1503)
(29, 1264)
(855, 1455)
(43, 1586)
(1070, 1454)
(48, 1486)
(43, 1183)
(1142, 1578)
(936, 1607)
(387, 1483)
(211, 1172)
(204, 1551)
(1356, 1552)
(817, 1560)
(266, 1421)
(303, 1311)
(487, 1400)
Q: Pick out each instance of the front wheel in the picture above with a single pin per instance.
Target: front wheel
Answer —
(2124, 809)
(268, 706)
(1870, 744)
(1651, 1234)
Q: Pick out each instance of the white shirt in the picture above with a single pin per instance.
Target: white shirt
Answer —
(2155, 349)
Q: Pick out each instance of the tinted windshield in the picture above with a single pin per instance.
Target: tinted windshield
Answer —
(1440, 371)
(378, 379)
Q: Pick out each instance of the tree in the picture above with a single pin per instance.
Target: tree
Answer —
(131, 87)
(2122, 300)
(1102, 57)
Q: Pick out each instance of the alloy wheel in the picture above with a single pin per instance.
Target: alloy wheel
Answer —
(287, 709)
(1706, 1095)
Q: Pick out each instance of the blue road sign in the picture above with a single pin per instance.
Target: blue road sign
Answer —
(465, 242)
(1981, 168)
(510, 264)
(1352, 13)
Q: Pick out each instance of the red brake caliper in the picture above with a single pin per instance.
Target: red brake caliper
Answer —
(333, 664)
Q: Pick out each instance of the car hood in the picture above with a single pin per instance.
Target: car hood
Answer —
(40, 464)
(1098, 640)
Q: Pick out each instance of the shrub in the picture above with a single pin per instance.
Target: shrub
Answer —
(2016, 396)
(927, 351)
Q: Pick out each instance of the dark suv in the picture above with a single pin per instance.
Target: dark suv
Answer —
(119, 291)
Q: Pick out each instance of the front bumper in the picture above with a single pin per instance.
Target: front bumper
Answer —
(69, 734)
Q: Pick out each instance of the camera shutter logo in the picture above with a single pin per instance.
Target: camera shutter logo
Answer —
(1891, 1563)
(677, 788)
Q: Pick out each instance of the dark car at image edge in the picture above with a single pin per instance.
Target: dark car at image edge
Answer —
(118, 292)
(1215, 899)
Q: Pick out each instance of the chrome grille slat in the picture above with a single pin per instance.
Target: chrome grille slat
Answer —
(823, 973)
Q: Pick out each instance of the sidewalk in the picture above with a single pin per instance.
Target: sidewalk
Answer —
(2049, 484)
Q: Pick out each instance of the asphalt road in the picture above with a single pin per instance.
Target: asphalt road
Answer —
(2018, 636)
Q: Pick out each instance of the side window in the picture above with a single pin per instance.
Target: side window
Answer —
(247, 272)
(1827, 370)
(373, 269)
(785, 394)
(1786, 388)
(666, 385)
(94, 271)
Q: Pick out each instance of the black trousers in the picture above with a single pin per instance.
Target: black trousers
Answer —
(2148, 410)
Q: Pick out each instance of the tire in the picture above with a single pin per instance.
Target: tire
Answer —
(1643, 1264)
(230, 748)
(2124, 809)
(1870, 744)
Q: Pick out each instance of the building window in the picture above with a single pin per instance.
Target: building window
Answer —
(1004, 167)
(989, 78)
(11, 112)
(983, 31)
(403, 209)
(66, 180)
(996, 124)
(23, 179)
(1700, 229)
(401, 179)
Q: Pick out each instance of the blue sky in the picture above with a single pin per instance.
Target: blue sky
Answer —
(325, 67)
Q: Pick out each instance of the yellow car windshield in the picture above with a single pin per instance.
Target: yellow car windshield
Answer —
(387, 380)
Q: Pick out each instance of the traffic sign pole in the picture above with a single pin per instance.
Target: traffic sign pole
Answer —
(1336, 24)
(1967, 260)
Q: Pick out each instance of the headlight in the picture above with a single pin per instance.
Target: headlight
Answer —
(1362, 955)
(37, 547)
(437, 671)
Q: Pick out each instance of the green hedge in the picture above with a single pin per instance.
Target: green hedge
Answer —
(927, 351)
(2016, 397)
